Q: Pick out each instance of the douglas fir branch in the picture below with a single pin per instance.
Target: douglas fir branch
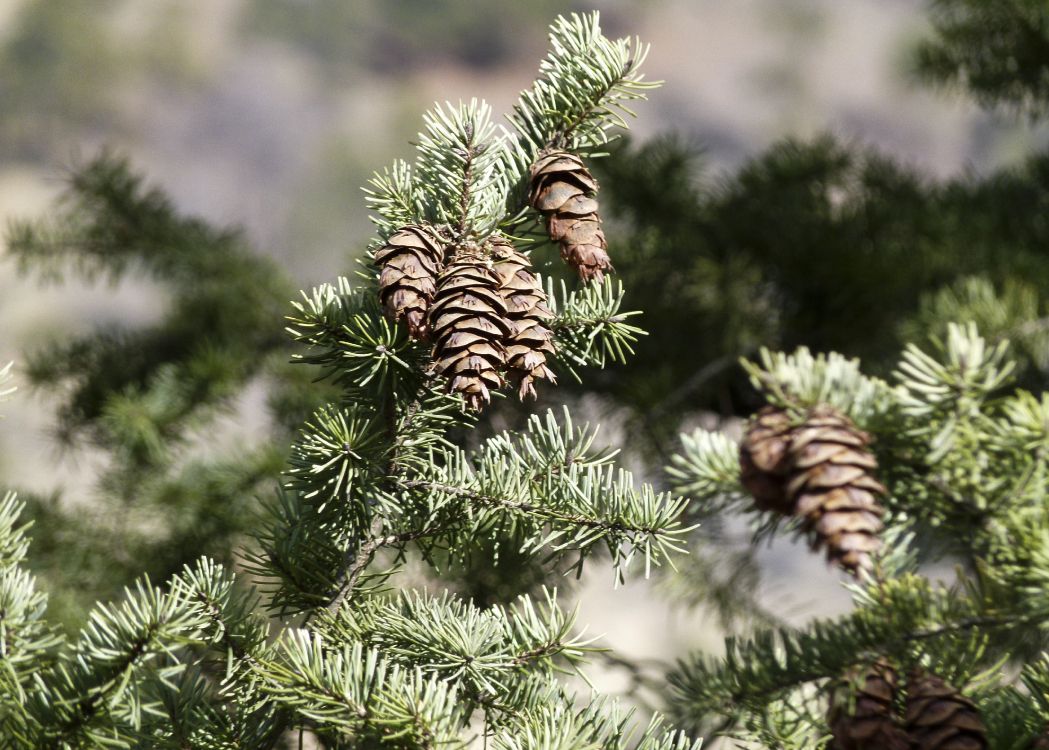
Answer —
(310, 641)
(450, 266)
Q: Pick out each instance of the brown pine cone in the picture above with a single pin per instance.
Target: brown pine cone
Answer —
(938, 717)
(763, 459)
(410, 261)
(871, 725)
(469, 323)
(530, 339)
(562, 189)
(832, 488)
(821, 471)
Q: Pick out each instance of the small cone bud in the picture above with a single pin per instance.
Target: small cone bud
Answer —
(562, 190)
(409, 263)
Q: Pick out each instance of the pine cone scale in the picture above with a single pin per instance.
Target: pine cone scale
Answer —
(815, 453)
(556, 195)
(473, 324)
(938, 717)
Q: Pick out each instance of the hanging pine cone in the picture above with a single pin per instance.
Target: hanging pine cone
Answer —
(763, 459)
(562, 190)
(530, 339)
(938, 717)
(871, 725)
(469, 323)
(410, 261)
(821, 471)
(832, 487)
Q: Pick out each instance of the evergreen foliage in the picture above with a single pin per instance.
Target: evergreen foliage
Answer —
(807, 244)
(997, 51)
(197, 662)
(146, 396)
(306, 634)
(814, 240)
(964, 462)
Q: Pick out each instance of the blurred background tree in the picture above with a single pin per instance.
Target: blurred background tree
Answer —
(147, 398)
(819, 244)
(170, 393)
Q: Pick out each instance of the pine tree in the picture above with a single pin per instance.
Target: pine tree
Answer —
(963, 462)
(813, 240)
(373, 477)
(142, 396)
(960, 451)
(999, 52)
(806, 244)
(309, 635)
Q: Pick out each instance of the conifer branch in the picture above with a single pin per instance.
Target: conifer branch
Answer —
(561, 493)
(352, 573)
(584, 88)
(193, 665)
(589, 325)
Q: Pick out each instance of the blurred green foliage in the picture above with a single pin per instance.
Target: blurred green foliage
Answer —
(816, 242)
(69, 66)
(59, 67)
(998, 51)
(811, 243)
(152, 399)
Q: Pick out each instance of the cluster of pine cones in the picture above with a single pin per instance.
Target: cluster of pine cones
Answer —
(935, 715)
(479, 303)
(483, 309)
(820, 470)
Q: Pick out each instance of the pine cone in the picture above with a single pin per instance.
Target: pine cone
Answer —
(938, 717)
(820, 471)
(410, 261)
(469, 323)
(871, 725)
(530, 339)
(763, 459)
(562, 189)
(831, 487)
